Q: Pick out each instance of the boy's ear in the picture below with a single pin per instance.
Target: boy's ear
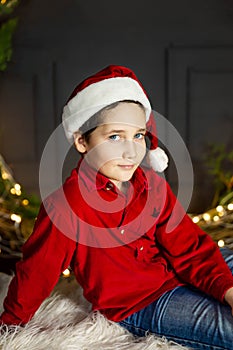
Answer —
(80, 143)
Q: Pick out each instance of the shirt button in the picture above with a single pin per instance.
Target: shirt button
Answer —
(122, 232)
(109, 186)
(141, 248)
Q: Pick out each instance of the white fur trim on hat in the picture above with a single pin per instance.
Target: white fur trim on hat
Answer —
(158, 159)
(98, 95)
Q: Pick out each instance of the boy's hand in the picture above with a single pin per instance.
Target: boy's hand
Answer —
(229, 298)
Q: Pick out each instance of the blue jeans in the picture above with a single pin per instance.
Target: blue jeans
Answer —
(188, 317)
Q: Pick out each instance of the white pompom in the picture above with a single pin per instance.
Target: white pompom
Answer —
(158, 159)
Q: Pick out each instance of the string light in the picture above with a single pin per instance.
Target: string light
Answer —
(3, 2)
(206, 216)
(230, 206)
(16, 218)
(196, 219)
(216, 218)
(16, 190)
(17, 187)
(221, 243)
(219, 208)
(5, 175)
(25, 202)
(12, 190)
(66, 273)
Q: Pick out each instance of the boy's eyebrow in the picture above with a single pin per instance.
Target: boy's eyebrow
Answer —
(122, 131)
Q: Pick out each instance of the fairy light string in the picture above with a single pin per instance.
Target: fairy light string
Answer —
(218, 222)
(17, 212)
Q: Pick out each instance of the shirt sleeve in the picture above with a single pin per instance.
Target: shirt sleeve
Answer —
(194, 256)
(46, 254)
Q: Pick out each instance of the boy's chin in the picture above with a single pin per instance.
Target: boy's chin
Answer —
(125, 178)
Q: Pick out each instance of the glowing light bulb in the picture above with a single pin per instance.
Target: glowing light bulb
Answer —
(220, 209)
(3, 2)
(221, 243)
(216, 218)
(17, 187)
(16, 218)
(12, 190)
(5, 175)
(196, 219)
(66, 273)
(230, 206)
(206, 217)
(25, 202)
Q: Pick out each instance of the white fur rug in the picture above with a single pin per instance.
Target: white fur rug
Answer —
(64, 322)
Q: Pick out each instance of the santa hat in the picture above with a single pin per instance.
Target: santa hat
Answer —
(111, 84)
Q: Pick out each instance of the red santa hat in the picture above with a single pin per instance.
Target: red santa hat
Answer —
(111, 84)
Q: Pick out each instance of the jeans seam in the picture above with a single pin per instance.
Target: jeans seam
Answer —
(162, 303)
(135, 327)
(176, 339)
(190, 341)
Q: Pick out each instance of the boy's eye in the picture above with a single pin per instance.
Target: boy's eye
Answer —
(139, 136)
(114, 137)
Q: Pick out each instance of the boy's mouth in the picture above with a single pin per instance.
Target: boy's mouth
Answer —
(126, 166)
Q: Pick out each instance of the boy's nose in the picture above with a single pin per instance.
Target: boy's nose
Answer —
(129, 150)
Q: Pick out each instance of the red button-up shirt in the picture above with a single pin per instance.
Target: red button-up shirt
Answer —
(125, 250)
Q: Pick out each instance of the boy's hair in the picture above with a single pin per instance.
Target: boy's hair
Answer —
(97, 119)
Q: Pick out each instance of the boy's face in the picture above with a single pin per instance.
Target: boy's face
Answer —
(116, 147)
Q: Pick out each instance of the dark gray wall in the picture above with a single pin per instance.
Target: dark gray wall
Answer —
(182, 51)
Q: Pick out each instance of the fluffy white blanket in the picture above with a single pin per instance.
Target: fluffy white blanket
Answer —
(64, 322)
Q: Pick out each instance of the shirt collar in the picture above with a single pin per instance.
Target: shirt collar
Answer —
(95, 181)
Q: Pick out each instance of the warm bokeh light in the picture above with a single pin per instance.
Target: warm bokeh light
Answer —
(66, 273)
(16, 218)
(230, 206)
(206, 217)
(196, 219)
(220, 209)
(216, 218)
(221, 243)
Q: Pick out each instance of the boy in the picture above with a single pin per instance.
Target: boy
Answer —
(109, 223)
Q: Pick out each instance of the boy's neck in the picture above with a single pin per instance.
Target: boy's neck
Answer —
(123, 186)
